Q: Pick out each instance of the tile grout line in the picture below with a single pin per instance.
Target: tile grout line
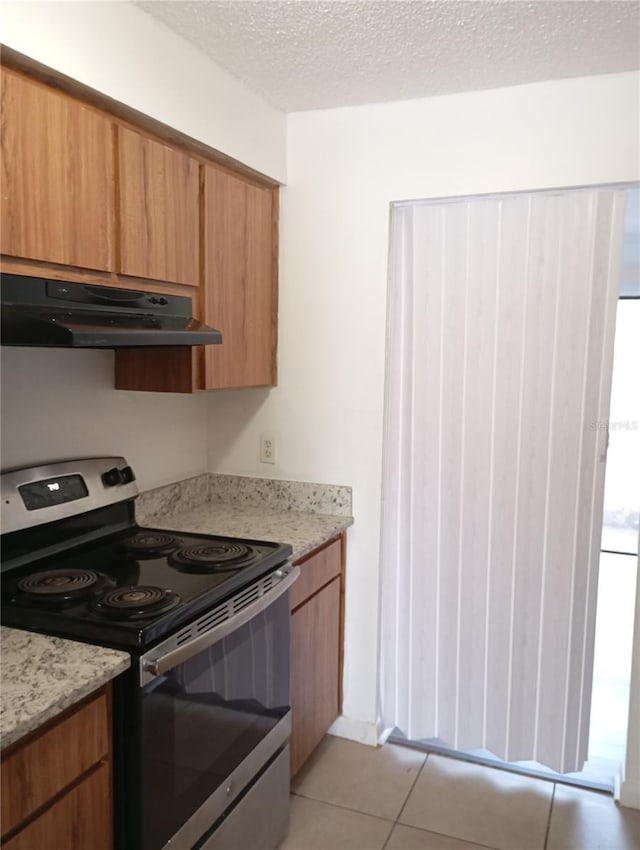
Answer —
(420, 829)
(546, 835)
(395, 822)
(341, 807)
(413, 785)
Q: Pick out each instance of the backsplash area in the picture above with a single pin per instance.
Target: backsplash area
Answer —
(282, 495)
(162, 501)
(59, 404)
(299, 496)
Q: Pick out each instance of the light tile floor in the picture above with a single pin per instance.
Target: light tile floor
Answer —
(353, 797)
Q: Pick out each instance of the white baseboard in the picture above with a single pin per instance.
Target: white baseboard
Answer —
(363, 731)
(630, 794)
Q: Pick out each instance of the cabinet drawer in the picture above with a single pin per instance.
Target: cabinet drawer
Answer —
(80, 820)
(317, 571)
(46, 765)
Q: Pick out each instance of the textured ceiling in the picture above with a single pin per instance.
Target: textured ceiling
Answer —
(302, 54)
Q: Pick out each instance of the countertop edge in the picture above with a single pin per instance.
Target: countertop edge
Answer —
(302, 551)
(95, 680)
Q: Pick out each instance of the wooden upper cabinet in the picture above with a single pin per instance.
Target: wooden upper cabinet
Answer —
(240, 280)
(87, 196)
(58, 191)
(159, 207)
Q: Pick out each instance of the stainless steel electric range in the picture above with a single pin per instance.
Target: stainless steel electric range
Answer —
(202, 719)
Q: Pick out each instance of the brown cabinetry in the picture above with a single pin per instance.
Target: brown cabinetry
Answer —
(80, 820)
(56, 784)
(159, 210)
(240, 279)
(238, 296)
(58, 189)
(91, 196)
(316, 649)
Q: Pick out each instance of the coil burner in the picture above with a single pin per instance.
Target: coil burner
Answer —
(216, 556)
(150, 544)
(139, 601)
(59, 585)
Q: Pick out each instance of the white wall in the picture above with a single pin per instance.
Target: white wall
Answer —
(344, 167)
(59, 403)
(122, 52)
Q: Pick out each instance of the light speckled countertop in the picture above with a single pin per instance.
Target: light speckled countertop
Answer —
(41, 676)
(304, 531)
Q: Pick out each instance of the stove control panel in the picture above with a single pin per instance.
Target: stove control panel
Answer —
(36, 495)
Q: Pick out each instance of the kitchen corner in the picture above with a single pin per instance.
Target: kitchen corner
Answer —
(303, 514)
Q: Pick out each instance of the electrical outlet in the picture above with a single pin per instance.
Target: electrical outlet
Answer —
(267, 449)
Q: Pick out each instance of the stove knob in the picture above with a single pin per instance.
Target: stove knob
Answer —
(128, 475)
(113, 477)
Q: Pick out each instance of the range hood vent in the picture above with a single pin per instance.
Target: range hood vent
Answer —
(54, 313)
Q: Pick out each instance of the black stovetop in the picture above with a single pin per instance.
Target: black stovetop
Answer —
(116, 593)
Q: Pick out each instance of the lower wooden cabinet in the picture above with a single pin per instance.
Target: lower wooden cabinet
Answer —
(316, 649)
(56, 783)
(79, 820)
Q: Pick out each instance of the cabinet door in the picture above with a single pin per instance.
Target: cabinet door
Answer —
(41, 768)
(79, 820)
(240, 280)
(159, 203)
(315, 671)
(58, 192)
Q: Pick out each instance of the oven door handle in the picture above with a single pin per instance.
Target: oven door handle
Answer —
(216, 624)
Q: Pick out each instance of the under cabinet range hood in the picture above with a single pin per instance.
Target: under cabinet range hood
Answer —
(54, 313)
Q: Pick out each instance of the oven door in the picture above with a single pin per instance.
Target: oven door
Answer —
(213, 714)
